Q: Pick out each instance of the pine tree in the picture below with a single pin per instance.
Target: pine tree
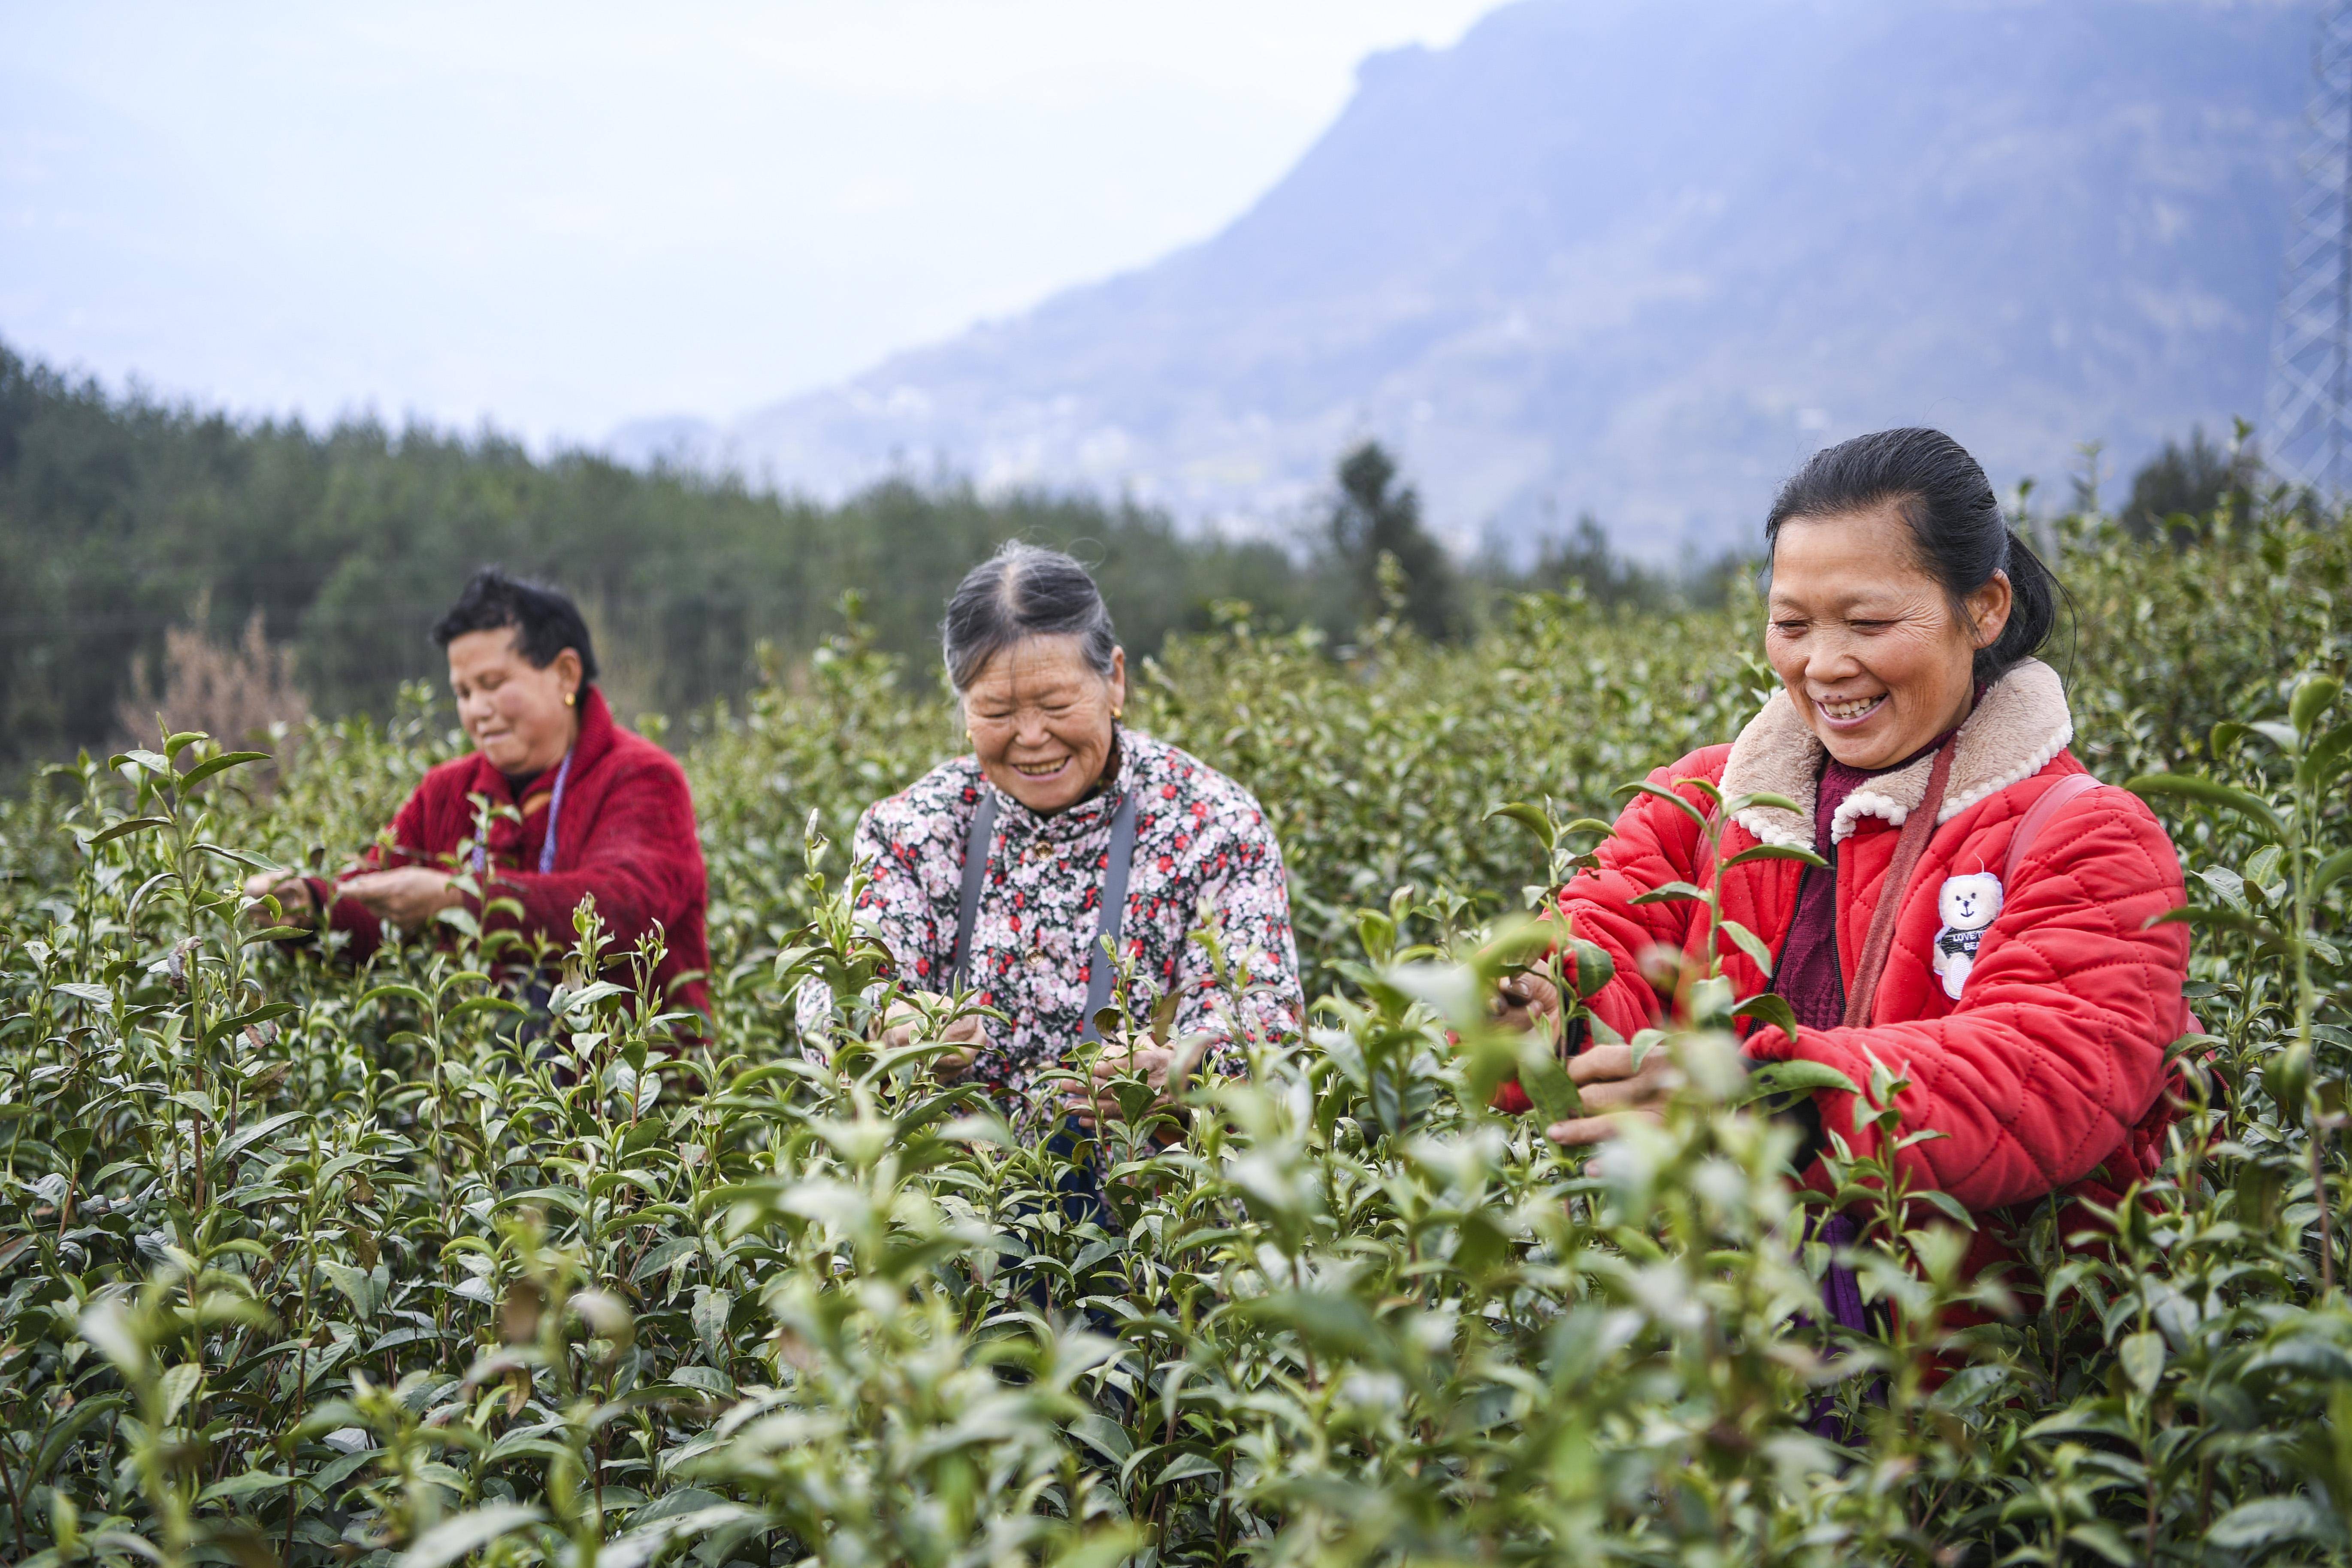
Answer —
(1374, 516)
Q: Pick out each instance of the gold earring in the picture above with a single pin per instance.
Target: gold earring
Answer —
(570, 698)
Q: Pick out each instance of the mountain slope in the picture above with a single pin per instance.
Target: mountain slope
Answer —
(1640, 258)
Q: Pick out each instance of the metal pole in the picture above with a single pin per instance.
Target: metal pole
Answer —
(2307, 411)
(2331, 70)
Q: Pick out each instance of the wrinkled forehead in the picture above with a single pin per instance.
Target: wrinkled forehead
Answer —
(1033, 667)
(1830, 564)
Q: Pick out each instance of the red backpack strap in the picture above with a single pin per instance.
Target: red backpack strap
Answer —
(2053, 800)
(2069, 786)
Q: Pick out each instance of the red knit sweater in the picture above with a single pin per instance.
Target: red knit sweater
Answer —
(626, 838)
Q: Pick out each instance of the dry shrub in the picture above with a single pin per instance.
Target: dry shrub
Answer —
(233, 691)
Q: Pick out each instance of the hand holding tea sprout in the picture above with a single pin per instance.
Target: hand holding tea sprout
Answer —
(1614, 1087)
(1527, 1001)
(1164, 1067)
(296, 907)
(406, 896)
(1608, 1080)
(906, 1019)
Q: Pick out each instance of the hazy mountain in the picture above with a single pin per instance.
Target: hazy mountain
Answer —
(1641, 257)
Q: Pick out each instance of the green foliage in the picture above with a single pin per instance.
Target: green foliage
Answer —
(2181, 485)
(1581, 562)
(122, 516)
(1375, 528)
(305, 1266)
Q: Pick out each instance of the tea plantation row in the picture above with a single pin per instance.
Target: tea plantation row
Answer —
(304, 1266)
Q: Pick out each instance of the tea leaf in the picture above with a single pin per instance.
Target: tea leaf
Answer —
(1536, 822)
(1548, 1088)
(2272, 1522)
(465, 1533)
(1769, 1010)
(221, 763)
(712, 1310)
(179, 1382)
(1776, 852)
(2208, 792)
(1751, 944)
(129, 824)
(2313, 694)
(1794, 1076)
(1660, 792)
(2142, 1358)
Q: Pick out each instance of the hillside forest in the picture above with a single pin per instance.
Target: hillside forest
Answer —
(306, 566)
(281, 570)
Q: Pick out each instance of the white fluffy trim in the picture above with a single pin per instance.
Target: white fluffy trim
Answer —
(2013, 734)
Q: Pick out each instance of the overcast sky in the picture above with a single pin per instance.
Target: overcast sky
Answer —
(561, 217)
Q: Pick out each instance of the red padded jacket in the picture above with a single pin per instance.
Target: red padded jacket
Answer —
(2046, 1074)
(627, 836)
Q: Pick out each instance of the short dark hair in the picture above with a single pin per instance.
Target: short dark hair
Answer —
(544, 619)
(1024, 591)
(1958, 533)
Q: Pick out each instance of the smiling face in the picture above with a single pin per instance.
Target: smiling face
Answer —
(1041, 720)
(514, 712)
(1872, 651)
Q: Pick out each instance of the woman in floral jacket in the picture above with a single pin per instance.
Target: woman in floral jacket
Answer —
(1060, 802)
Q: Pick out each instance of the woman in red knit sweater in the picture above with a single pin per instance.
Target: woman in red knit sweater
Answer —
(580, 809)
(1986, 923)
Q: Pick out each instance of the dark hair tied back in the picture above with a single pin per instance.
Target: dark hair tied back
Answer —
(1024, 591)
(1958, 531)
(544, 619)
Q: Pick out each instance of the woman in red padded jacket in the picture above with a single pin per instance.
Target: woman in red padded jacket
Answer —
(582, 809)
(2017, 979)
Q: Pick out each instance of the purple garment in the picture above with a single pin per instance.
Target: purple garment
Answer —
(1809, 980)
(1842, 1300)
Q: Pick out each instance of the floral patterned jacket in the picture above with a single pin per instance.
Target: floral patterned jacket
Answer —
(1202, 848)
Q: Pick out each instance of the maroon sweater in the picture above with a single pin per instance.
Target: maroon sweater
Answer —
(1807, 975)
(626, 836)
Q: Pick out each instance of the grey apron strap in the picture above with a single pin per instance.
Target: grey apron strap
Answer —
(1108, 919)
(1120, 861)
(975, 869)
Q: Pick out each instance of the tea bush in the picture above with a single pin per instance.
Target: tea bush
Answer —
(310, 1266)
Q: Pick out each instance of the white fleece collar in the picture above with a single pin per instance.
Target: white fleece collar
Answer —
(2022, 724)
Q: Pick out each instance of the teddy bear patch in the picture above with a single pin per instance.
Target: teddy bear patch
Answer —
(1968, 905)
